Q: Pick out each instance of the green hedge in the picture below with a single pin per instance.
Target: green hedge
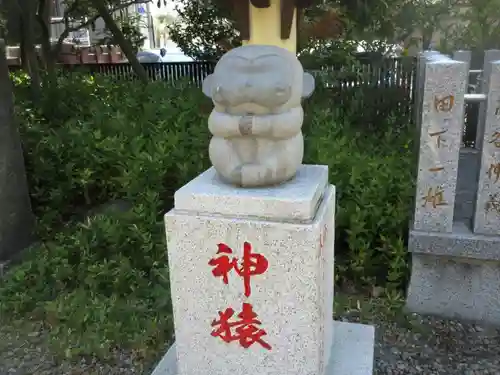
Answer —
(103, 281)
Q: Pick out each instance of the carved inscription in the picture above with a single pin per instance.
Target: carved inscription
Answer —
(434, 197)
(444, 104)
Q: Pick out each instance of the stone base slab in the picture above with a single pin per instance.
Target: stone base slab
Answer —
(455, 275)
(294, 201)
(462, 242)
(454, 287)
(352, 352)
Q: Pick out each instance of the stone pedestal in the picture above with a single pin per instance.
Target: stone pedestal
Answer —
(252, 281)
(455, 257)
(455, 275)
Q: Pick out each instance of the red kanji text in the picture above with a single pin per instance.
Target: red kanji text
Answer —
(251, 265)
(245, 330)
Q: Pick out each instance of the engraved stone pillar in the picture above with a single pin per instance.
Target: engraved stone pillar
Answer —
(418, 90)
(487, 209)
(16, 219)
(440, 140)
(464, 56)
(489, 56)
(422, 58)
(456, 273)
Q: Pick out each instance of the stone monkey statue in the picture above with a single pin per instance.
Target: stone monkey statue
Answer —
(257, 117)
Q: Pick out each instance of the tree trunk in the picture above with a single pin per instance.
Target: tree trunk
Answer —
(22, 45)
(29, 49)
(16, 219)
(2, 29)
(121, 40)
(43, 18)
(28, 14)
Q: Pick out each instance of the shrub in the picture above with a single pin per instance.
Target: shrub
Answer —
(373, 175)
(102, 140)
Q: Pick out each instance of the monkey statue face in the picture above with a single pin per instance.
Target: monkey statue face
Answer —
(258, 79)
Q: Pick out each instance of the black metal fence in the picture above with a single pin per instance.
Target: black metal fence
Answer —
(471, 115)
(383, 85)
(194, 71)
(370, 88)
(383, 73)
(376, 87)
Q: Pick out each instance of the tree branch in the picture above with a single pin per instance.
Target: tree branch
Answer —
(125, 45)
(66, 19)
(91, 20)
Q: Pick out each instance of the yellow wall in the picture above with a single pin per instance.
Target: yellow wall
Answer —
(265, 27)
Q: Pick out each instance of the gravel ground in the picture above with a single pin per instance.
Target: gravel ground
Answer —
(407, 344)
(432, 346)
(24, 351)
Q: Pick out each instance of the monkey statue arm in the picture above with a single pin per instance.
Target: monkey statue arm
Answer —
(224, 125)
(279, 126)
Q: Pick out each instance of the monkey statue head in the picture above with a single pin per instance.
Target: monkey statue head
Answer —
(258, 79)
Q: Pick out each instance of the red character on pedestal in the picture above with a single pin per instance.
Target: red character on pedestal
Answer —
(251, 265)
(245, 329)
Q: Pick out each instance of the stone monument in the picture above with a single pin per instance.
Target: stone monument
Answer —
(16, 219)
(455, 236)
(251, 240)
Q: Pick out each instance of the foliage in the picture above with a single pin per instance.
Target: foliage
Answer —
(109, 119)
(103, 142)
(203, 30)
(476, 27)
(333, 53)
(423, 16)
(93, 141)
(373, 176)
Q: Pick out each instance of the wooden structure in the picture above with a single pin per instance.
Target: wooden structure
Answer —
(75, 55)
(272, 22)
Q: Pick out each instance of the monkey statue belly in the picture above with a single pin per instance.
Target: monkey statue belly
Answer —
(257, 118)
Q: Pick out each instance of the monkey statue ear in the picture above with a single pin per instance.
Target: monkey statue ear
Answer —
(207, 85)
(307, 85)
